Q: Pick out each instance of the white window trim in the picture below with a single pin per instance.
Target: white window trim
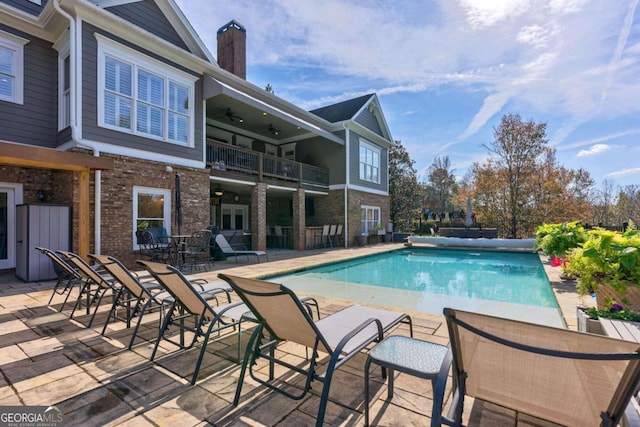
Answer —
(15, 44)
(375, 208)
(166, 193)
(63, 48)
(369, 146)
(108, 47)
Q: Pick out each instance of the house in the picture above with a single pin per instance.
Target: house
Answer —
(111, 106)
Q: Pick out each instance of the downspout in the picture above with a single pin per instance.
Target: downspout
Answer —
(347, 181)
(74, 84)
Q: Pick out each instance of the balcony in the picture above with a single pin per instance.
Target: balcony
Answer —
(239, 160)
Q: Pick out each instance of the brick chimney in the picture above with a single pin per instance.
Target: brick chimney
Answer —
(232, 48)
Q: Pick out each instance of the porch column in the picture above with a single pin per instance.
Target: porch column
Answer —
(299, 237)
(259, 217)
(84, 213)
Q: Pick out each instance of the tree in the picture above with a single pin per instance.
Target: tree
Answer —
(521, 185)
(441, 183)
(404, 191)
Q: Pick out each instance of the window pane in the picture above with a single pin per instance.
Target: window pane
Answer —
(6, 61)
(178, 127)
(118, 76)
(6, 86)
(150, 206)
(66, 70)
(150, 88)
(149, 119)
(117, 111)
(178, 98)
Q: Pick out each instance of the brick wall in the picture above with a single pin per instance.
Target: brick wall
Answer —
(356, 199)
(61, 187)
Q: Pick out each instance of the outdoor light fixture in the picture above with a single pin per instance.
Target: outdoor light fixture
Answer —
(218, 192)
(273, 130)
(42, 196)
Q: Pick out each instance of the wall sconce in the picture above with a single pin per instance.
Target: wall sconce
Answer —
(42, 195)
(218, 192)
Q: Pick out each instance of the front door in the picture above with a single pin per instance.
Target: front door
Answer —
(7, 227)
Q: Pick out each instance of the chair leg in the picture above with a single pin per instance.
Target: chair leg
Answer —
(163, 328)
(325, 388)
(248, 354)
(135, 330)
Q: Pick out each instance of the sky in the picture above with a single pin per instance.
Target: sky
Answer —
(446, 71)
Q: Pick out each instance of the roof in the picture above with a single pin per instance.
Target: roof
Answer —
(345, 110)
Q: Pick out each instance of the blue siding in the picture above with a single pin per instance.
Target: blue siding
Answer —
(26, 6)
(370, 121)
(35, 122)
(147, 15)
(92, 131)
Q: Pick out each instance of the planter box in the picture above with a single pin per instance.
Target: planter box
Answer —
(586, 324)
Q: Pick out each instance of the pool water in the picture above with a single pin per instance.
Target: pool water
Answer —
(507, 284)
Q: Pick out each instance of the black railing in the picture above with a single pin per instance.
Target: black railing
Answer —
(225, 157)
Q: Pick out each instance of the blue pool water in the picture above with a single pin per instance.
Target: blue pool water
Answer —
(507, 284)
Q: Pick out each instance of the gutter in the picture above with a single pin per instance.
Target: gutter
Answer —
(75, 85)
(346, 183)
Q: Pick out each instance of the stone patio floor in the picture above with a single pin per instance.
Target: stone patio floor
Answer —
(48, 359)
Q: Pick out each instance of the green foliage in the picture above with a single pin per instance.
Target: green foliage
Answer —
(558, 239)
(606, 256)
(404, 191)
(630, 315)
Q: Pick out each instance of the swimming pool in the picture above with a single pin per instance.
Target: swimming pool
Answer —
(507, 284)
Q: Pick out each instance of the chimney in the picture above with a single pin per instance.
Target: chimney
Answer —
(232, 48)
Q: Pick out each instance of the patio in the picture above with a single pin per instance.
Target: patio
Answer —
(48, 359)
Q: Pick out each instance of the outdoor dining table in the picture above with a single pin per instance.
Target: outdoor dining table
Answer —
(178, 244)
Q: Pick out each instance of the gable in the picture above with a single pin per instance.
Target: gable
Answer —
(368, 119)
(345, 110)
(148, 16)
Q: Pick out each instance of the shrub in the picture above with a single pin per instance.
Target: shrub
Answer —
(556, 240)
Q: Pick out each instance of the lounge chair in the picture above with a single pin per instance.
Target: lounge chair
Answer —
(565, 377)
(226, 249)
(145, 296)
(280, 313)
(94, 286)
(187, 302)
(68, 275)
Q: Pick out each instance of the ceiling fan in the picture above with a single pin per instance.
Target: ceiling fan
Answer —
(232, 116)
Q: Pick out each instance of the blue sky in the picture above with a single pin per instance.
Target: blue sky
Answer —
(446, 71)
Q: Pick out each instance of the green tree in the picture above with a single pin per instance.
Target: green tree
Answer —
(404, 191)
(441, 183)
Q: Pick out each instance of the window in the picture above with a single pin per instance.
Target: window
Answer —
(64, 81)
(369, 218)
(369, 162)
(12, 67)
(235, 217)
(142, 96)
(151, 208)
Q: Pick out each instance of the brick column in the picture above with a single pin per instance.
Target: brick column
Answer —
(259, 217)
(299, 237)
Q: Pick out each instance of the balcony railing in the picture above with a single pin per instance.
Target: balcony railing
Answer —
(225, 157)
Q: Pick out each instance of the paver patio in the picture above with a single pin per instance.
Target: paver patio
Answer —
(48, 359)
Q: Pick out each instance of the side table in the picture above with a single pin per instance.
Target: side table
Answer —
(409, 355)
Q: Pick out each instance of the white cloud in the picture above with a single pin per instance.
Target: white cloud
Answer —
(624, 172)
(595, 149)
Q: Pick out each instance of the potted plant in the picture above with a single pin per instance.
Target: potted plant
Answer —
(362, 239)
(556, 240)
(608, 264)
(380, 229)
